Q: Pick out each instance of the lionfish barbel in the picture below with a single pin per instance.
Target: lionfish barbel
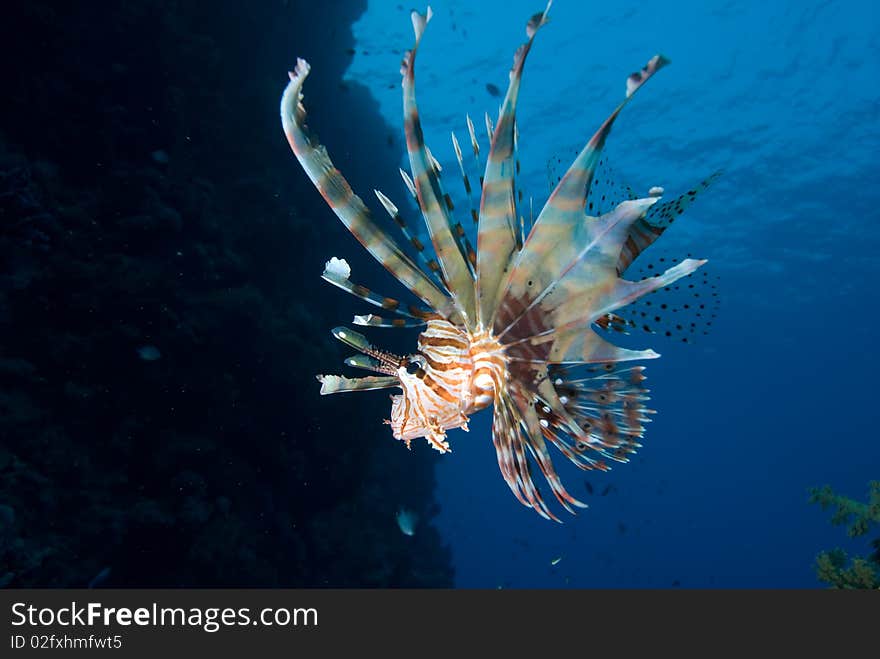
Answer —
(512, 324)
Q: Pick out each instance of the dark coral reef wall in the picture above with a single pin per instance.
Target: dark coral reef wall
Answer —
(162, 316)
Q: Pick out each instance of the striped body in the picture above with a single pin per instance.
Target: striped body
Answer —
(460, 375)
(520, 323)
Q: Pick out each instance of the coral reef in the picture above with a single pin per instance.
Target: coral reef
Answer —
(162, 319)
(834, 567)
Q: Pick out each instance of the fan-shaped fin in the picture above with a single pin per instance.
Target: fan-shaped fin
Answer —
(582, 265)
(512, 459)
(646, 230)
(607, 403)
(563, 214)
(532, 408)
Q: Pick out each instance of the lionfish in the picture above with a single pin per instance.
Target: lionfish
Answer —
(516, 322)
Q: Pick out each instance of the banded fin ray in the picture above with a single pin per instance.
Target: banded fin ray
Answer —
(534, 396)
(431, 199)
(475, 146)
(372, 320)
(607, 190)
(607, 404)
(340, 280)
(512, 460)
(335, 384)
(645, 231)
(475, 216)
(498, 231)
(394, 213)
(347, 206)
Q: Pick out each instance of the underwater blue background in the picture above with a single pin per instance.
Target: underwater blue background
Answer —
(162, 315)
(780, 396)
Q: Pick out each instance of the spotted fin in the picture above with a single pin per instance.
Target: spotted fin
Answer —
(607, 405)
(552, 244)
(585, 288)
(645, 231)
(593, 415)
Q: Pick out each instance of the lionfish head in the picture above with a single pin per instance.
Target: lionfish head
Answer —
(425, 407)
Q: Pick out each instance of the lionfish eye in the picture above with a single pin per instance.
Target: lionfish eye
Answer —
(415, 365)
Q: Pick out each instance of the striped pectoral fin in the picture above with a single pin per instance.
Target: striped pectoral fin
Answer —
(588, 295)
(608, 404)
(660, 217)
(581, 265)
(593, 414)
(334, 384)
(499, 235)
(576, 344)
(599, 413)
(432, 201)
(559, 425)
(512, 460)
(568, 310)
(536, 429)
(348, 206)
(558, 221)
(570, 338)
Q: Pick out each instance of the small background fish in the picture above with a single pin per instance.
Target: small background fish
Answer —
(149, 353)
(406, 521)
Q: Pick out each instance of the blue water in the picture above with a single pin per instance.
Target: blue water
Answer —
(780, 396)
